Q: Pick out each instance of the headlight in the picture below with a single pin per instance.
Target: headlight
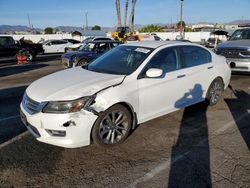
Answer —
(68, 106)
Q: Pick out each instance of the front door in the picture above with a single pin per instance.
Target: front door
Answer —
(158, 96)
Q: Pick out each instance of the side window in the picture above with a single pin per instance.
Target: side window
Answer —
(166, 59)
(60, 42)
(194, 56)
(157, 38)
(6, 41)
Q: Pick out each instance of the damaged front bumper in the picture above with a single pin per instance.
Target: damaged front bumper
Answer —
(69, 130)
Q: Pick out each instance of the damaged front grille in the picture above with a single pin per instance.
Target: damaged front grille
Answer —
(31, 106)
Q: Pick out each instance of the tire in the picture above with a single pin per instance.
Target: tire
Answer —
(214, 92)
(31, 56)
(82, 62)
(112, 126)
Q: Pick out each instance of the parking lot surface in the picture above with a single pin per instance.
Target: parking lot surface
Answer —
(195, 147)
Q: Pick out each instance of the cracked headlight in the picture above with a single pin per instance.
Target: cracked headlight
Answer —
(61, 107)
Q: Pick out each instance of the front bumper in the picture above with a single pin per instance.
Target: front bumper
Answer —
(77, 134)
(239, 65)
(66, 63)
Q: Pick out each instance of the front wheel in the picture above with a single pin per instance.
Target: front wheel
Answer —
(112, 126)
(82, 62)
(215, 92)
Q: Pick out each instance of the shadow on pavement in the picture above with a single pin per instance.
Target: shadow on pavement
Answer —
(7, 71)
(239, 108)
(10, 122)
(190, 158)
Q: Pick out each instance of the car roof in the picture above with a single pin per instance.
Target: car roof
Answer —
(246, 28)
(153, 44)
(103, 41)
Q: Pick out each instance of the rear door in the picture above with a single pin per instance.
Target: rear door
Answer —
(198, 69)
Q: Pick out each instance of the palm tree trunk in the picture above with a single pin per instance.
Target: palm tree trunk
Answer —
(126, 12)
(118, 12)
(132, 15)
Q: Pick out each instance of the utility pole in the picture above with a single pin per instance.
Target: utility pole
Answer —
(86, 19)
(29, 20)
(181, 19)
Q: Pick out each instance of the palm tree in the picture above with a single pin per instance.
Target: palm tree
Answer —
(126, 12)
(132, 15)
(118, 12)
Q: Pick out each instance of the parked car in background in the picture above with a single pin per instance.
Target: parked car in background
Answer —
(210, 42)
(73, 41)
(9, 47)
(87, 52)
(130, 84)
(75, 47)
(55, 46)
(237, 50)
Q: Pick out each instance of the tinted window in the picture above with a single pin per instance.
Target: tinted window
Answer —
(102, 39)
(241, 34)
(157, 38)
(6, 41)
(194, 56)
(166, 59)
(60, 42)
(101, 47)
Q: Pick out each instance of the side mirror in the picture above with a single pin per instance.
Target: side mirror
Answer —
(154, 73)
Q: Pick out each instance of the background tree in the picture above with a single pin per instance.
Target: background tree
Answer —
(118, 12)
(178, 25)
(131, 19)
(48, 30)
(126, 12)
(151, 28)
(96, 27)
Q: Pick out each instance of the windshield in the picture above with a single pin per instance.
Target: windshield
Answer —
(240, 35)
(87, 47)
(121, 60)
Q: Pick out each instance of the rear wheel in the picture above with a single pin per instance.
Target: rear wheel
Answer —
(215, 91)
(112, 127)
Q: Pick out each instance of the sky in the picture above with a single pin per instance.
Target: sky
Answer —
(53, 13)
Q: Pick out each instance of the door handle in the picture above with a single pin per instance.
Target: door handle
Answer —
(210, 67)
(181, 76)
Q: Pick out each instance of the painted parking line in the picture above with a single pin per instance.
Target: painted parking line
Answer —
(11, 117)
(14, 139)
(165, 165)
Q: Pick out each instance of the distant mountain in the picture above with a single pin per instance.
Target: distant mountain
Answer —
(69, 29)
(19, 28)
(237, 22)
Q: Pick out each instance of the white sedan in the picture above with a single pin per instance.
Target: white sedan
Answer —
(55, 46)
(128, 85)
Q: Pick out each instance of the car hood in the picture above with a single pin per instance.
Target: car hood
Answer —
(70, 84)
(75, 45)
(235, 44)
